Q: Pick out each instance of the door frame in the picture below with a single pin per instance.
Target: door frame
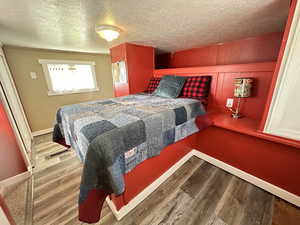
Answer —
(21, 130)
(283, 76)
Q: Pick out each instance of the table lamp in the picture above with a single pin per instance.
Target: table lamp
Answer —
(242, 89)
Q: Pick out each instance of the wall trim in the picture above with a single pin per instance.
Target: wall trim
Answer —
(9, 184)
(246, 67)
(54, 61)
(277, 191)
(42, 132)
(14, 110)
(148, 190)
(285, 80)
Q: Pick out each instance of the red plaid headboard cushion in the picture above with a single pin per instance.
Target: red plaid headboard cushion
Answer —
(153, 84)
(197, 87)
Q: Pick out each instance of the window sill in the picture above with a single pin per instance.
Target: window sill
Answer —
(53, 93)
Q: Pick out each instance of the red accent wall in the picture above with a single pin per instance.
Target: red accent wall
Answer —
(244, 146)
(118, 53)
(151, 169)
(275, 163)
(253, 106)
(262, 48)
(222, 84)
(251, 50)
(140, 64)
(204, 56)
(221, 88)
(11, 161)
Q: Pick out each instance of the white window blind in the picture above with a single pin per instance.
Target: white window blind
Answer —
(65, 77)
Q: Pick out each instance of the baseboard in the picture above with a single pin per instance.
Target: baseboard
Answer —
(9, 184)
(147, 191)
(277, 191)
(41, 132)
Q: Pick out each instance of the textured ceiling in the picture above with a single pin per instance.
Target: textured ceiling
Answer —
(168, 25)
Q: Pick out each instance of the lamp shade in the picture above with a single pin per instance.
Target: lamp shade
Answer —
(242, 87)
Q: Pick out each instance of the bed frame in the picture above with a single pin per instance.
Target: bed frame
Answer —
(138, 187)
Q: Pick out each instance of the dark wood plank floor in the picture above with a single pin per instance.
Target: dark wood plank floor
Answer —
(198, 193)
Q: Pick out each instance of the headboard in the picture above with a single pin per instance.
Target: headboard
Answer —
(222, 83)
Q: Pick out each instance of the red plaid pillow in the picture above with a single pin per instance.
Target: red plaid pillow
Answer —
(197, 87)
(153, 84)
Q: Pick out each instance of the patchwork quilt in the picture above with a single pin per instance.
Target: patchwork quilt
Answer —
(113, 136)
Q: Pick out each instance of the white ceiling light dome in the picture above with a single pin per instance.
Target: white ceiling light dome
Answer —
(108, 32)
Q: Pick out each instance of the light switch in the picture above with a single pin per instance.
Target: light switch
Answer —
(229, 102)
(33, 75)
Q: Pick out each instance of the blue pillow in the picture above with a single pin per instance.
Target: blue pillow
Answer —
(170, 86)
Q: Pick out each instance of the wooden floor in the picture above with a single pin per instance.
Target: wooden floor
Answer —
(198, 193)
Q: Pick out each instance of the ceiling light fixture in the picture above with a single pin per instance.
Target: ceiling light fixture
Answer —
(108, 32)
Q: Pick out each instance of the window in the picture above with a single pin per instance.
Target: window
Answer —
(67, 77)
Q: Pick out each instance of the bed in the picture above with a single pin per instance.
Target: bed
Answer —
(114, 136)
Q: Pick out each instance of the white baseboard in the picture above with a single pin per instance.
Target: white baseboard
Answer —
(41, 132)
(9, 184)
(147, 191)
(277, 191)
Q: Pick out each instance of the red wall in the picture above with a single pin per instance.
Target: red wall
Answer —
(136, 181)
(140, 64)
(262, 48)
(11, 161)
(253, 106)
(118, 53)
(275, 163)
(222, 85)
(204, 56)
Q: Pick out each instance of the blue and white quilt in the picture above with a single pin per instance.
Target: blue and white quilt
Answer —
(113, 136)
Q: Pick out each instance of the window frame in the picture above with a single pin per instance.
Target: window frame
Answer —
(51, 92)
